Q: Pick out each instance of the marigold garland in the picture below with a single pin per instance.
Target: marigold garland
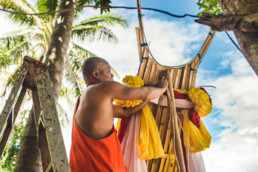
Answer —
(202, 101)
(130, 81)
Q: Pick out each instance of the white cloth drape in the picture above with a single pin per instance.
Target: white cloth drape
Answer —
(129, 146)
(196, 163)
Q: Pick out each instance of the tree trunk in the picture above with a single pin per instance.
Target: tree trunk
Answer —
(28, 159)
(248, 41)
(29, 156)
(60, 38)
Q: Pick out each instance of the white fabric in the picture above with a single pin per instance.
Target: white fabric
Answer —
(196, 163)
(129, 146)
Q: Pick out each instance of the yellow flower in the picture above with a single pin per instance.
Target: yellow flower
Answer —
(130, 81)
(201, 99)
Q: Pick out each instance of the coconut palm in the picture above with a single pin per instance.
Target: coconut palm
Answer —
(39, 37)
(34, 39)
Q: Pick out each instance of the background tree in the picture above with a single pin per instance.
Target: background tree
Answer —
(241, 16)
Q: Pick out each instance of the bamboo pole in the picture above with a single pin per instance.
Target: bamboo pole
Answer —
(173, 115)
(137, 30)
(177, 79)
(168, 164)
(152, 74)
(205, 47)
(163, 125)
(147, 71)
(185, 78)
(143, 63)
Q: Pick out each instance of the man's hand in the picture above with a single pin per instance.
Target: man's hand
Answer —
(163, 83)
(119, 112)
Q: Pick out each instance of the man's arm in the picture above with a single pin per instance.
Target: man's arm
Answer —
(122, 92)
(119, 112)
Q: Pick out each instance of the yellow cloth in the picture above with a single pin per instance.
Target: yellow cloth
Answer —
(198, 138)
(118, 125)
(149, 143)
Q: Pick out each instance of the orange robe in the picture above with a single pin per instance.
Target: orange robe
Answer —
(92, 155)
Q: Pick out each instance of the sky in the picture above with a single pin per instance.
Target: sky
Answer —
(233, 121)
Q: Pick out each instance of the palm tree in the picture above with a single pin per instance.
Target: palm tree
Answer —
(49, 43)
(34, 39)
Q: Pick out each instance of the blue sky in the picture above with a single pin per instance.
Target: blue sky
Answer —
(233, 122)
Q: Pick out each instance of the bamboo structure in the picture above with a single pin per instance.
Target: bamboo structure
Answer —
(179, 77)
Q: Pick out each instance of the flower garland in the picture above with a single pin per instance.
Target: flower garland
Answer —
(130, 81)
(202, 101)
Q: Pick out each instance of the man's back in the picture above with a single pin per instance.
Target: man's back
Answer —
(90, 155)
(95, 114)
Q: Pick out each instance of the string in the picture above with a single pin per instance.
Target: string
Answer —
(103, 7)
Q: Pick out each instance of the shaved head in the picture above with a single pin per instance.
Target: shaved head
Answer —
(90, 64)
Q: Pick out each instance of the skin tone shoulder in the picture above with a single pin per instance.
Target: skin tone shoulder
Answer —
(96, 111)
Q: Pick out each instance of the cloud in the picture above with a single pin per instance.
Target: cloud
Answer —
(236, 99)
(171, 43)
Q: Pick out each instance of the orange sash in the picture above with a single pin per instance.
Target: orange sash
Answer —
(87, 154)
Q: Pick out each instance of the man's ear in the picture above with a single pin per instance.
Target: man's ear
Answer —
(95, 74)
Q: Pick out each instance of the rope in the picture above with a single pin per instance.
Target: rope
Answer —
(233, 42)
(104, 7)
(116, 7)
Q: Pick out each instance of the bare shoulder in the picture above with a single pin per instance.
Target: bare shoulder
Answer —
(108, 86)
(105, 87)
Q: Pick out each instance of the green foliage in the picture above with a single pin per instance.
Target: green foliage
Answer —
(209, 6)
(12, 148)
(103, 3)
(47, 5)
(19, 6)
(4, 59)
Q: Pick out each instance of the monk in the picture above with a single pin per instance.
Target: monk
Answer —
(95, 145)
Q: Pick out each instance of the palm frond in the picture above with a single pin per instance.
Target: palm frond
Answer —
(10, 80)
(93, 33)
(114, 72)
(106, 20)
(19, 50)
(20, 6)
(5, 60)
(80, 55)
(62, 115)
(17, 33)
(80, 48)
(72, 77)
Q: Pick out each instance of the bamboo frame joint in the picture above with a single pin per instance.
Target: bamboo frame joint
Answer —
(211, 34)
(145, 44)
(199, 55)
(140, 15)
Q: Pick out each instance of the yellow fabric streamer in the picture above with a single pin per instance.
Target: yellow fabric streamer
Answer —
(149, 143)
(118, 125)
(196, 139)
